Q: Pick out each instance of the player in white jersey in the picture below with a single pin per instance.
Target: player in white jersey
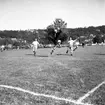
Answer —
(71, 46)
(35, 46)
(2, 48)
(59, 43)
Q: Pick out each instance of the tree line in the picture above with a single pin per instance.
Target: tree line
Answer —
(97, 34)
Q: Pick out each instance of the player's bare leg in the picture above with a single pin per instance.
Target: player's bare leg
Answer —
(53, 50)
(71, 51)
(67, 50)
(34, 53)
(75, 48)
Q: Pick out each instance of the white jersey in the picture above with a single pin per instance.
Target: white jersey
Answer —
(59, 41)
(2, 46)
(71, 43)
(35, 44)
(76, 43)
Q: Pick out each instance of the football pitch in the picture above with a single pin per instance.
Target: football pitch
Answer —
(58, 79)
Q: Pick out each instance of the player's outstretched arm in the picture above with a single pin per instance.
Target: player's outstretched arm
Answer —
(76, 39)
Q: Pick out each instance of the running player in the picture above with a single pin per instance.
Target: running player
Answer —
(71, 46)
(35, 46)
(56, 38)
(59, 43)
(2, 48)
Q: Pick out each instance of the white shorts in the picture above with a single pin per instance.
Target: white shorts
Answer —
(35, 48)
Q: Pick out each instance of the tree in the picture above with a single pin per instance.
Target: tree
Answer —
(55, 31)
(97, 39)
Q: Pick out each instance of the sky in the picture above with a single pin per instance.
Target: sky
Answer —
(38, 14)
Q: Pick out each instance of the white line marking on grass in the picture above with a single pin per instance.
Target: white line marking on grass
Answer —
(44, 95)
(90, 92)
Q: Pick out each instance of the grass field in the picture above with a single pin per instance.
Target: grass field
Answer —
(59, 75)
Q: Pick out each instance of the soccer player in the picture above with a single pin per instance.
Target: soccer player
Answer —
(2, 48)
(55, 40)
(35, 46)
(59, 43)
(71, 46)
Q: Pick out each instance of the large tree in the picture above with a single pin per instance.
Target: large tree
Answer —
(56, 31)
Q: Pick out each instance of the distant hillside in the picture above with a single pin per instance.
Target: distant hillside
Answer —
(30, 35)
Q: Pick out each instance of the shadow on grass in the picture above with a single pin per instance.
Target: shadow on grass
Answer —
(47, 55)
(37, 55)
(63, 54)
(98, 54)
